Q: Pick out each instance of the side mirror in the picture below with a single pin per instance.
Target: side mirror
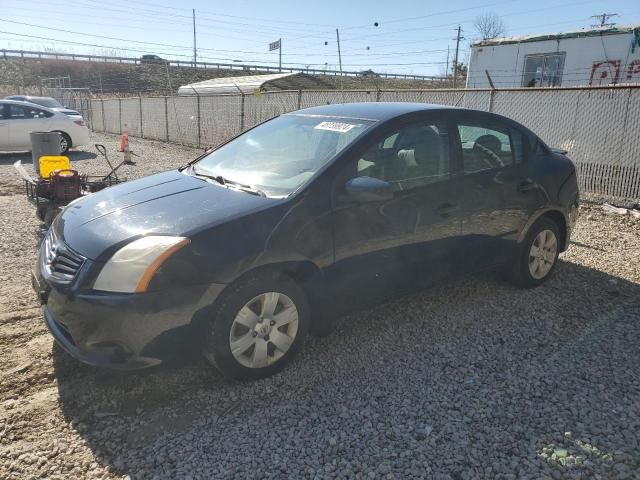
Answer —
(368, 189)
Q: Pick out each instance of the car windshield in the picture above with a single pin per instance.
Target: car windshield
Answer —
(46, 102)
(279, 156)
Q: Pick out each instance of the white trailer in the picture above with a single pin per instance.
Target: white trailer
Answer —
(603, 56)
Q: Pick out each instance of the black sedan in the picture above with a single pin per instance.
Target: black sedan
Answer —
(243, 251)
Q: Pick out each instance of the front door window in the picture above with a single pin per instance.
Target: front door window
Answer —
(409, 158)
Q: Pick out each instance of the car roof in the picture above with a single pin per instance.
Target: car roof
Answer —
(22, 102)
(372, 110)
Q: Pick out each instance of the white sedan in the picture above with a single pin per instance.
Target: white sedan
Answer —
(18, 119)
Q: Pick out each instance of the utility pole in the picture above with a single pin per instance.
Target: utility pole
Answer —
(195, 57)
(280, 55)
(603, 19)
(339, 54)
(446, 72)
(455, 59)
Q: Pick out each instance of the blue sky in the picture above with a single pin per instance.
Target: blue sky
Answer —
(412, 36)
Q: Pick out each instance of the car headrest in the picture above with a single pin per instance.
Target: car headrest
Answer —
(490, 142)
(427, 149)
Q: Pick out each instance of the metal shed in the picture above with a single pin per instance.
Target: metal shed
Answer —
(253, 83)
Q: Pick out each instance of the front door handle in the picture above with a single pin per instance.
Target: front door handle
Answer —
(445, 209)
(527, 185)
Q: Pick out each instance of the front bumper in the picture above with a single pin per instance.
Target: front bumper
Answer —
(80, 136)
(124, 331)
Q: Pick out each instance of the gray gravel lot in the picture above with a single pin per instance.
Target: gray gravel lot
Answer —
(475, 379)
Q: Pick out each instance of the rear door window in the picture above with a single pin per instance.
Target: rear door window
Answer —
(21, 112)
(487, 147)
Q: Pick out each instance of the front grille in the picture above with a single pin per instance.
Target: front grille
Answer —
(61, 263)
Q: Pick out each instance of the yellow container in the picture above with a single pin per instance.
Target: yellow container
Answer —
(49, 164)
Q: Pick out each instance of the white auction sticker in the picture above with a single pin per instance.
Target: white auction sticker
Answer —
(335, 126)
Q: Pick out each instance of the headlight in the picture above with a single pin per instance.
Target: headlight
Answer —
(130, 269)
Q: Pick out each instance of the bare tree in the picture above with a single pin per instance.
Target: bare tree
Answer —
(489, 25)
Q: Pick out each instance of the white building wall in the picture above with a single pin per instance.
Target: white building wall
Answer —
(595, 60)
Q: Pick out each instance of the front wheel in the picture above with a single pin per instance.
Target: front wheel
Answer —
(537, 255)
(258, 326)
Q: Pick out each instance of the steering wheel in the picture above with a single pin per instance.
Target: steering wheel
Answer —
(489, 157)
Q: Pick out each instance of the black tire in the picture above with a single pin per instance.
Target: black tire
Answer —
(217, 348)
(65, 143)
(41, 212)
(50, 215)
(520, 270)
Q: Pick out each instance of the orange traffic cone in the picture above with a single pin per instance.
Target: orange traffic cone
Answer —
(124, 140)
(124, 143)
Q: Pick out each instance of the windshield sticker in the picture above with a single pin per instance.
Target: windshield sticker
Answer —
(335, 126)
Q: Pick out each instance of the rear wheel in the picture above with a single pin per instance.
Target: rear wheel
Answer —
(258, 327)
(65, 143)
(537, 255)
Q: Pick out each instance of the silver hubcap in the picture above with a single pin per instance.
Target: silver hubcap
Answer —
(63, 144)
(264, 330)
(542, 255)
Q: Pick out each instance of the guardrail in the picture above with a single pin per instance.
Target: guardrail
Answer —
(205, 65)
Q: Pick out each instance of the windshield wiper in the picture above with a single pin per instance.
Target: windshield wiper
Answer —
(230, 183)
(245, 188)
(218, 178)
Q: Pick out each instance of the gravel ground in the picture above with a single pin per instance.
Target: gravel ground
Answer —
(474, 379)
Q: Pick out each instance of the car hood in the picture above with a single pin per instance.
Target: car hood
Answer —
(169, 203)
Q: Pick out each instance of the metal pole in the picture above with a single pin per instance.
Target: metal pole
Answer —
(280, 55)
(446, 72)
(242, 112)
(299, 99)
(199, 126)
(339, 54)
(104, 124)
(140, 111)
(194, 39)
(120, 114)
(166, 118)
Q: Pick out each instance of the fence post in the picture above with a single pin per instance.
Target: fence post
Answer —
(378, 95)
(166, 118)
(491, 99)
(120, 115)
(199, 123)
(140, 112)
(104, 124)
(299, 99)
(241, 112)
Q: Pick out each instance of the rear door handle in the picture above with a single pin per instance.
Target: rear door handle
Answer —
(527, 185)
(445, 209)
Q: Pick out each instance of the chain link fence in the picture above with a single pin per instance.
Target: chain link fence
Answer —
(599, 127)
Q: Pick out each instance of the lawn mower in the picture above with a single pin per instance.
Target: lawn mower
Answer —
(58, 184)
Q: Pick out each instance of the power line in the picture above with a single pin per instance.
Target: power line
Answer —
(185, 47)
(208, 58)
(235, 16)
(433, 14)
(422, 28)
